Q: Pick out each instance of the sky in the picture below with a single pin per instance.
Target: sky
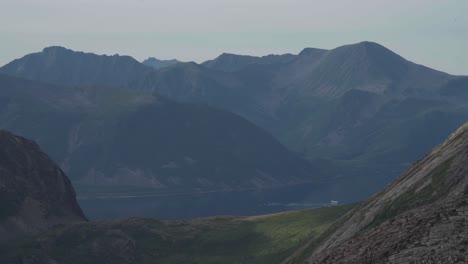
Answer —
(429, 32)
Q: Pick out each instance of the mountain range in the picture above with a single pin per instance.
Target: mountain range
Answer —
(325, 123)
(421, 217)
(359, 110)
(106, 136)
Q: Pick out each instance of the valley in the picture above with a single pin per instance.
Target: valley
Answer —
(355, 114)
(233, 132)
(241, 159)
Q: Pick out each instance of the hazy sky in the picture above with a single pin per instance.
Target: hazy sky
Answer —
(430, 32)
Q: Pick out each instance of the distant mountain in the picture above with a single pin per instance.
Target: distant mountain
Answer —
(232, 62)
(34, 193)
(105, 136)
(420, 216)
(59, 65)
(456, 89)
(359, 108)
(369, 67)
(158, 64)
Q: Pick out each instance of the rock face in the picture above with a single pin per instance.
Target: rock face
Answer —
(422, 217)
(34, 193)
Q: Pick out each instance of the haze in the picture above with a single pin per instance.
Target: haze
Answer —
(429, 32)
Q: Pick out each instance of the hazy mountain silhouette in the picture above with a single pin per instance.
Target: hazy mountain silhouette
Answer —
(158, 64)
(360, 107)
(63, 66)
(105, 136)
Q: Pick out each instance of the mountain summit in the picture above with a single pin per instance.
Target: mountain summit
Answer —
(63, 66)
(158, 64)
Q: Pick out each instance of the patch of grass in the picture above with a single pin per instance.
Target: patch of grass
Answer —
(304, 253)
(265, 239)
(412, 199)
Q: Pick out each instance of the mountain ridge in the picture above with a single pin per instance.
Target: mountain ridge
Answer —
(63, 66)
(158, 64)
(113, 136)
(360, 107)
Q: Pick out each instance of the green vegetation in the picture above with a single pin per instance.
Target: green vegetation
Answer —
(413, 198)
(261, 239)
(301, 255)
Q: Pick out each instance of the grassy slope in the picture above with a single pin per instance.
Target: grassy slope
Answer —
(264, 239)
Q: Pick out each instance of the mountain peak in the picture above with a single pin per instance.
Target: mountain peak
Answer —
(64, 66)
(56, 49)
(367, 43)
(312, 51)
(158, 64)
(373, 50)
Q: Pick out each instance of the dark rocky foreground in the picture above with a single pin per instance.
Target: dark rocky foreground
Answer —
(34, 193)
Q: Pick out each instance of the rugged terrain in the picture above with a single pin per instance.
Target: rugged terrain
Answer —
(41, 223)
(34, 192)
(358, 109)
(421, 217)
(262, 239)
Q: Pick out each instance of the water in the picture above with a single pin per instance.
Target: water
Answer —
(195, 205)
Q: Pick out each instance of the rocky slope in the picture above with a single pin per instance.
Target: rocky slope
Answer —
(34, 192)
(421, 217)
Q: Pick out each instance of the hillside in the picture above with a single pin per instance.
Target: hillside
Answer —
(104, 136)
(262, 239)
(34, 193)
(420, 217)
(360, 109)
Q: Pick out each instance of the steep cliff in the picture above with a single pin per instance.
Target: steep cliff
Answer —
(34, 193)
